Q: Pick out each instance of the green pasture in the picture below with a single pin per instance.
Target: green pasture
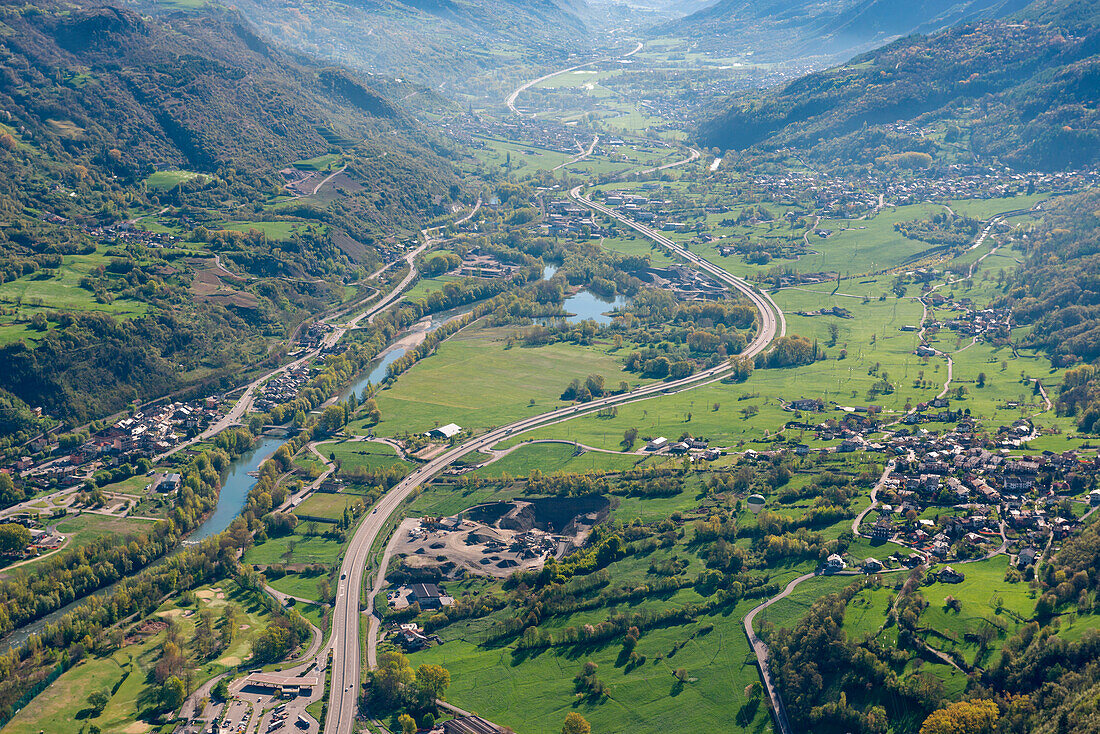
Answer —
(476, 380)
(327, 162)
(556, 457)
(165, 180)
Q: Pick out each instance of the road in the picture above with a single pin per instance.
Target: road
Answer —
(347, 615)
(241, 407)
(511, 101)
(328, 178)
(761, 651)
(348, 606)
(583, 154)
(874, 498)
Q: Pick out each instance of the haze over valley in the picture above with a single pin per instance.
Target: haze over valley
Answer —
(549, 366)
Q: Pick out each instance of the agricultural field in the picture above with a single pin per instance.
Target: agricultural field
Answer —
(328, 162)
(752, 410)
(478, 379)
(301, 546)
(699, 670)
(367, 454)
(557, 457)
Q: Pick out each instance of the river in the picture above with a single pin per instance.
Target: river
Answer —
(377, 371)
(231, 498)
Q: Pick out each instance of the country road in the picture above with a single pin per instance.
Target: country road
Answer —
(240, 408)
(761, 652)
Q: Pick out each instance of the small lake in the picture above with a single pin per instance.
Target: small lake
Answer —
(586, 305)
(548, 272)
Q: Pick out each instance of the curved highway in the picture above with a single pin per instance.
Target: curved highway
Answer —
(348, 611)
(346, 641)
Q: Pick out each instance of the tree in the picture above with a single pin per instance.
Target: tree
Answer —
(575, 724)
(13, 537)
(408, 724)
(962, 717)
(393, 676)
(98, 700)
(432, 681)
(272, 644)
(630, 436)
(172, 694)
(333, 419)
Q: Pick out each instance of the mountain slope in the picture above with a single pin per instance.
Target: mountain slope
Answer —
(777, 30)
(94, 99)
(1023, 92)
(427, 41)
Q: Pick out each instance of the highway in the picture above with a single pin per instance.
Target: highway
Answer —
(511, 101)
(348, 609)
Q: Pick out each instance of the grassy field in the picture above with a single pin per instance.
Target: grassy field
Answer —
(328, 162)
(62, 292)
(165, 180)
(866, 246)
(424, 286)
(369, 454)
(279, 231)
(476, 380)
(324, 505)
(984, 595)
(298, 547)
(301, 585)
(724, 413)
(62, 706)
(987, 208)
(518, 158)
(556, 457)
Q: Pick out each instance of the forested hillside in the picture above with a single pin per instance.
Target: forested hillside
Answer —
(1023, 93)
(778, 30)
(93, 101)
(427, 41)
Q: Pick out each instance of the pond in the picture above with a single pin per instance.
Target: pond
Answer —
(586, 305)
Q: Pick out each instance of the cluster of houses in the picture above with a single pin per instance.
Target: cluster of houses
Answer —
(687, 283)
(696, 447)
(966, 320)
(283, 388)
(1004, 498)
(842, 197)
(145, 434)
(566, 218)
(312, 336)
(119, 233)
